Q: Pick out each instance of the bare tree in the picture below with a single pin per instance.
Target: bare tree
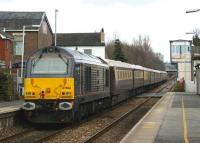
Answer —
(139, 52)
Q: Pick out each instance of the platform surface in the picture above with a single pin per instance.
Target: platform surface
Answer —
(151, 95)
(11, 106)
(174, 119)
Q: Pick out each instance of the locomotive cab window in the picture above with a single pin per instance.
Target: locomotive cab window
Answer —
(50, 64)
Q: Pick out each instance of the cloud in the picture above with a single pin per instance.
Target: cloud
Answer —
(161, 20)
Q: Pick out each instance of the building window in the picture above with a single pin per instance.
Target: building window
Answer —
(44, 27)
(18, 47)
(176, 51)
(185, 49)
(88, 51)
(18, 43)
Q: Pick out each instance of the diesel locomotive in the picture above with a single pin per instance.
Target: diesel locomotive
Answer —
(63, 85)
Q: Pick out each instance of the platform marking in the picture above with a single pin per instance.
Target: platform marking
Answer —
(149, 125)
(184, 123)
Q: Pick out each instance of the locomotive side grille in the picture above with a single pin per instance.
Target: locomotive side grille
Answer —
(94, 79)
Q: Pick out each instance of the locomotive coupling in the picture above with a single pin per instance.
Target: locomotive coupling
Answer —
(28, 106)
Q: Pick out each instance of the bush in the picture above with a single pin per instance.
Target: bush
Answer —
(6, 85)
(179, 86)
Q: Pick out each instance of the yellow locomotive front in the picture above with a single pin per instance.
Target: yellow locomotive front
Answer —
(49, 87)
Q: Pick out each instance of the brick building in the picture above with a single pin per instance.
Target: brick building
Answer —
(5, 49)
(38, 32)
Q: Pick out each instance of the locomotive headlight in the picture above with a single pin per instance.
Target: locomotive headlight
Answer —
(28, 106)
(65, 106)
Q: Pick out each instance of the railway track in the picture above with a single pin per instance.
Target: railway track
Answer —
(49, 136)
(114, 123)
(167, 86)
(35, 135)
(12, 137)
(32, 135)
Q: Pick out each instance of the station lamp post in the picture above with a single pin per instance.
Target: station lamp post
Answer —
(55, 27)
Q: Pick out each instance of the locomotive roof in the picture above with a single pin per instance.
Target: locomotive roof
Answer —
(84, 58)
(118, 64)
(127, 65)
(138, 67)
(76, 55)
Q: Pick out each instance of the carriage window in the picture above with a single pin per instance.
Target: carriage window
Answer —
(49, 65)
(107, 78)
(124, 74)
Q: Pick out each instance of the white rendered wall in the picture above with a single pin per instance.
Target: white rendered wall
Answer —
(184, 71)
(98, 51)
(191, 86)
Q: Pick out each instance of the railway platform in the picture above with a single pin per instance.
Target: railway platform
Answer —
(9, 112)
(10, 106)
(151, 95)
(174, 119)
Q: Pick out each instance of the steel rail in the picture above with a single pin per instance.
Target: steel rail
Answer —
(115, 122)
(8, 138)
(49, 136)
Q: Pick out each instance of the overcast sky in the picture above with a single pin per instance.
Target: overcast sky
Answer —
(161, 20)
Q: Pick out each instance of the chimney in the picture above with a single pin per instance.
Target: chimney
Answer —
(102, 36)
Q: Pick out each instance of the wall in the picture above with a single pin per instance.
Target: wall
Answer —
(45, 36)
(184, 70)
(2, 49)
(5, 51)
(31, 43)
(191, 87)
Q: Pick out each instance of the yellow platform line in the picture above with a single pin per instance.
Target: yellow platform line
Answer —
(184, 123)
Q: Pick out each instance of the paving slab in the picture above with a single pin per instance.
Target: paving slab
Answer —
(174, 119)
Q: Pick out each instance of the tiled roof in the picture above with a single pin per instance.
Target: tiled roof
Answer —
(16, 20)
(180, 40)
(79, 39)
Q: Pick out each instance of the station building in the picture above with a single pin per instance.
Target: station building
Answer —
(185, 57)
(180, 56)
(37, 32)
